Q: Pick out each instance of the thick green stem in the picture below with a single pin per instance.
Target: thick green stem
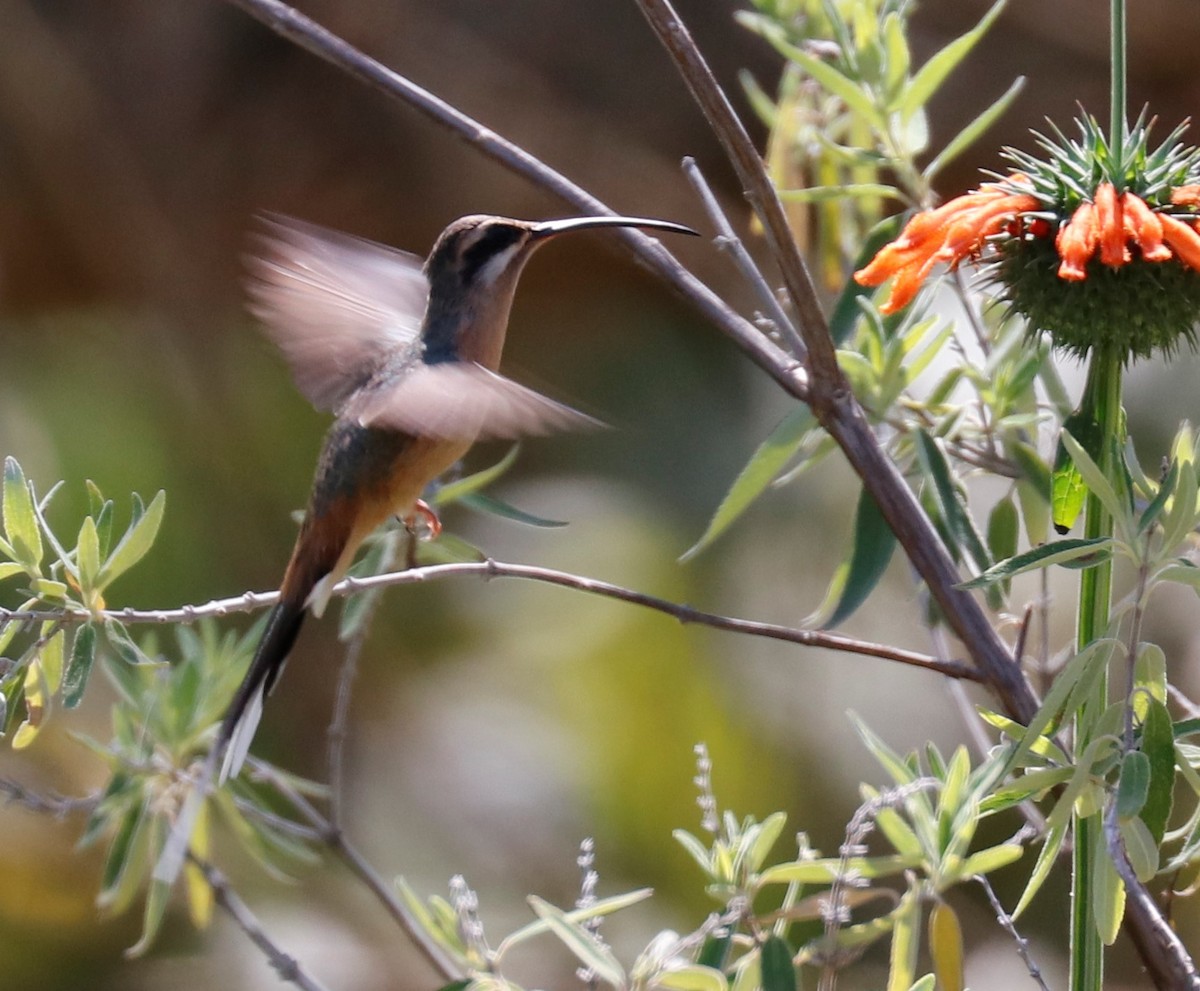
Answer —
(1102, 394)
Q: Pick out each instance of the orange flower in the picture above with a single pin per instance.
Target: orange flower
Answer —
(1114, 252)
(1076, 243)
(1108, 225)
(952, 232)
(1144, 227)
(1182, 238)
(1186, 195)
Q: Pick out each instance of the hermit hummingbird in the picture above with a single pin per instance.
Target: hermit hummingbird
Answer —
(405, 355)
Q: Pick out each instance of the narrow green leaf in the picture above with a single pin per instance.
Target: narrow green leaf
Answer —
(764, 466)
(454, 491)
(825, 194)
(934, 72)
(482, 502)
(715, 951)
(1029, 785)
(1149, 678)
(946, 947)
(856, 98)
(10, 568)
(593, 954)
(1108, 893)
(83, 653)
(897, 55)
(1181, 517)
(1158, 744)
(157, 896)
(1041, 870)
(958, 521)
(926, 983)
(20, 522)
(698, 851)
(991, 859)
(898, 833)
(1180, 570)
(1093, 478)
(1141, 848)
(691, 977)
(974, 130)
(1080, 670)
(1165, 490)
(778, 971)
(598, 909)
(870, 553)
(138, 539)
(87, 554)
(120, 858)
(754, 850)
(1073, 551)
(825, 870)
(1133, 785)
(906, 942)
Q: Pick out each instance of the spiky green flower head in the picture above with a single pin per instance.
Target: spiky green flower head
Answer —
(1110, 259)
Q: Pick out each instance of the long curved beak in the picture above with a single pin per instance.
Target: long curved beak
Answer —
(550, 228)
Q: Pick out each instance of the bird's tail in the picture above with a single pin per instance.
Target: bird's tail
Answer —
(241, 719)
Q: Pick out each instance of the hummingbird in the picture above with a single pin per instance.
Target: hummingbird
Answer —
(405, 355)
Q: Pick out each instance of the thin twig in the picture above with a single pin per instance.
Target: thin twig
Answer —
(350, 855)
(728, 241)
(759, 190)
(1010, 927)
(489, 569)
(285, 965)
(48, 803)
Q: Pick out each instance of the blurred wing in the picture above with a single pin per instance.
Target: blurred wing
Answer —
(463, 401)
(336, 305)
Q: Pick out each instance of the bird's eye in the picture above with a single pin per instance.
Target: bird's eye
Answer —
(488, 243)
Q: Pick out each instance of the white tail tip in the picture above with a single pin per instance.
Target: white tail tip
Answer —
(242, 736)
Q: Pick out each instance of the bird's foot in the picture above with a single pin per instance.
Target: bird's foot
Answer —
(430, 526)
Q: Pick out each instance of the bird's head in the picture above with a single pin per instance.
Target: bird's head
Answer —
(473, 271)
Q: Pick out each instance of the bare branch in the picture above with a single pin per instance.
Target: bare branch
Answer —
(384, 892)
(286, 966)
(251, 601)
(759, 190)
(1010, 927)
(727, 240)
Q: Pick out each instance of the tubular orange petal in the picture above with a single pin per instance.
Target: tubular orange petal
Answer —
(891, 259)
(1114, 252)
(1076, 243)
(1186, 195)
(1183, 239)
(930, 222)
(1144, 227)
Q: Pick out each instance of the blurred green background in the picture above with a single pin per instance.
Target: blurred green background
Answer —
(494, 726)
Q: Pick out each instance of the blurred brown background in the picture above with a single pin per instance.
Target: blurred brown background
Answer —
(495, 726)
